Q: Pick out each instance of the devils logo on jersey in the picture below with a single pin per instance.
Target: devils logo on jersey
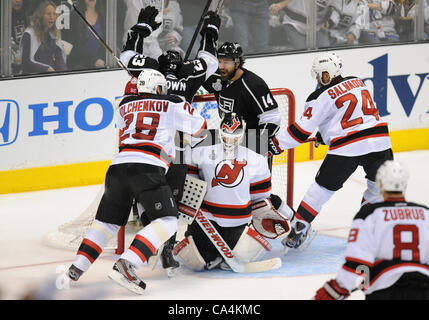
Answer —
(229, 173)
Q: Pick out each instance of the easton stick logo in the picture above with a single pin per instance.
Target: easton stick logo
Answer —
(229, 173)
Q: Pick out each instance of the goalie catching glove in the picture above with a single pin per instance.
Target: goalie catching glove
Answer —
(146, 23)
(331, 290)
(268, 221)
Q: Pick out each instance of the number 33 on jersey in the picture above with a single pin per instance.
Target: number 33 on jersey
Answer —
(346, 117)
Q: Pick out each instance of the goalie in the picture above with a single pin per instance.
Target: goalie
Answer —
(238, 189)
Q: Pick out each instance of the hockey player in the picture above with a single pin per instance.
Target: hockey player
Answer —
(348, 121)
(388, 245)
(236, 177)
(147, 123)
(184, 78)
(241, 91)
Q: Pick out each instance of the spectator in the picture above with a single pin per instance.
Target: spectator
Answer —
(294, 21)
(406, 13)
(172, 21)
(344, 22)
(382, 23)
(87, 52)
(19, 24)
(426, 17)
(41, 45)
(191, 12)
(251, 24)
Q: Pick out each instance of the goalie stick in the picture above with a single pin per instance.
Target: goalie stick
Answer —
(97, 36)
(226, 252)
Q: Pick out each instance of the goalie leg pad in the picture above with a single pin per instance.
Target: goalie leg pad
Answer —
(188, 253)
(251, 246)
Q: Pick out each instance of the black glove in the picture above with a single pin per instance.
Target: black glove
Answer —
(211, 25)
(146, 23)
(319, 140)
(273, 147)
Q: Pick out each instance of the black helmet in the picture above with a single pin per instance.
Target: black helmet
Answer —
(230, 50)
(170, 62)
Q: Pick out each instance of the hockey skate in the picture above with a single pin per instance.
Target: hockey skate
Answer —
(299, 237)
(124, 274)
(167, 260)
(74, 273)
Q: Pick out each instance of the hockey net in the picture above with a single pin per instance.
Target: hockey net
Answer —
(70, 234)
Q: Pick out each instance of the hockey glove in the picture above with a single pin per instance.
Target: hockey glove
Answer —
(211, 25)
(331, 290)
(273, 147)
(318, 140)
(146, 23)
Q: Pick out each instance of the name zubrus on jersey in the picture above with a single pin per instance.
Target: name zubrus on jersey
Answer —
(403, 214)
(214, 235)
(144, 105)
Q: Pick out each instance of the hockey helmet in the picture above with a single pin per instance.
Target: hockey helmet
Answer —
(170, 62)
(232, 130)
(392, 176)
(231, 50)
(326, 62)
(149, 80)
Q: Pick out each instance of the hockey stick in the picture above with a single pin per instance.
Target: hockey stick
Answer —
(226, 252)
(97, 36)
(194, 37)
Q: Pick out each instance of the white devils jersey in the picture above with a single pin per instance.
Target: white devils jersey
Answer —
(232, 184)
(386, 240)
(346, 116)
(147, 127)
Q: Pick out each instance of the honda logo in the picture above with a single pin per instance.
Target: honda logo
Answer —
(9, 121)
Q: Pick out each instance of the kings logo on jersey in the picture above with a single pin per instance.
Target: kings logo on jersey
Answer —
(229, 173)
(226, 104)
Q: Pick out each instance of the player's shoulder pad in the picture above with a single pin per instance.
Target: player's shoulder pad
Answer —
(316, 94)
(367, 210)
(413, 204)
(168, 97)
(252, 79)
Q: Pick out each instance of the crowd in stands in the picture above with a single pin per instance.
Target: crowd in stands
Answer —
(46, 36)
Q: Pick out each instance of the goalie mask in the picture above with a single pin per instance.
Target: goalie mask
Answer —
(232, 130)
(326, 62)
(150, 80)
(170, 62)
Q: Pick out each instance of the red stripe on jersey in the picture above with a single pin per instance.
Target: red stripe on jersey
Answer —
(93, 245)
(146, 242)
(149, 153)
(302, 130)
(138, 252)
(353, 132)
(261, 191)
(308, 208)
(366, 263)
(192, 169)
(359, 139)
(351, 270)
(262, 181)
(293, 136)
(86, 256)
(229, 217)
(201, 129)
(406, 264)
(231, 206)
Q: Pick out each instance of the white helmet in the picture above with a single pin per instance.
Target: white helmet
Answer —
(392, 176)
(232, 130)
(149, 80)
(326, 62)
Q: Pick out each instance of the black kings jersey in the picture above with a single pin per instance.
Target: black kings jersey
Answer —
(386, 240)
(248, 96)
